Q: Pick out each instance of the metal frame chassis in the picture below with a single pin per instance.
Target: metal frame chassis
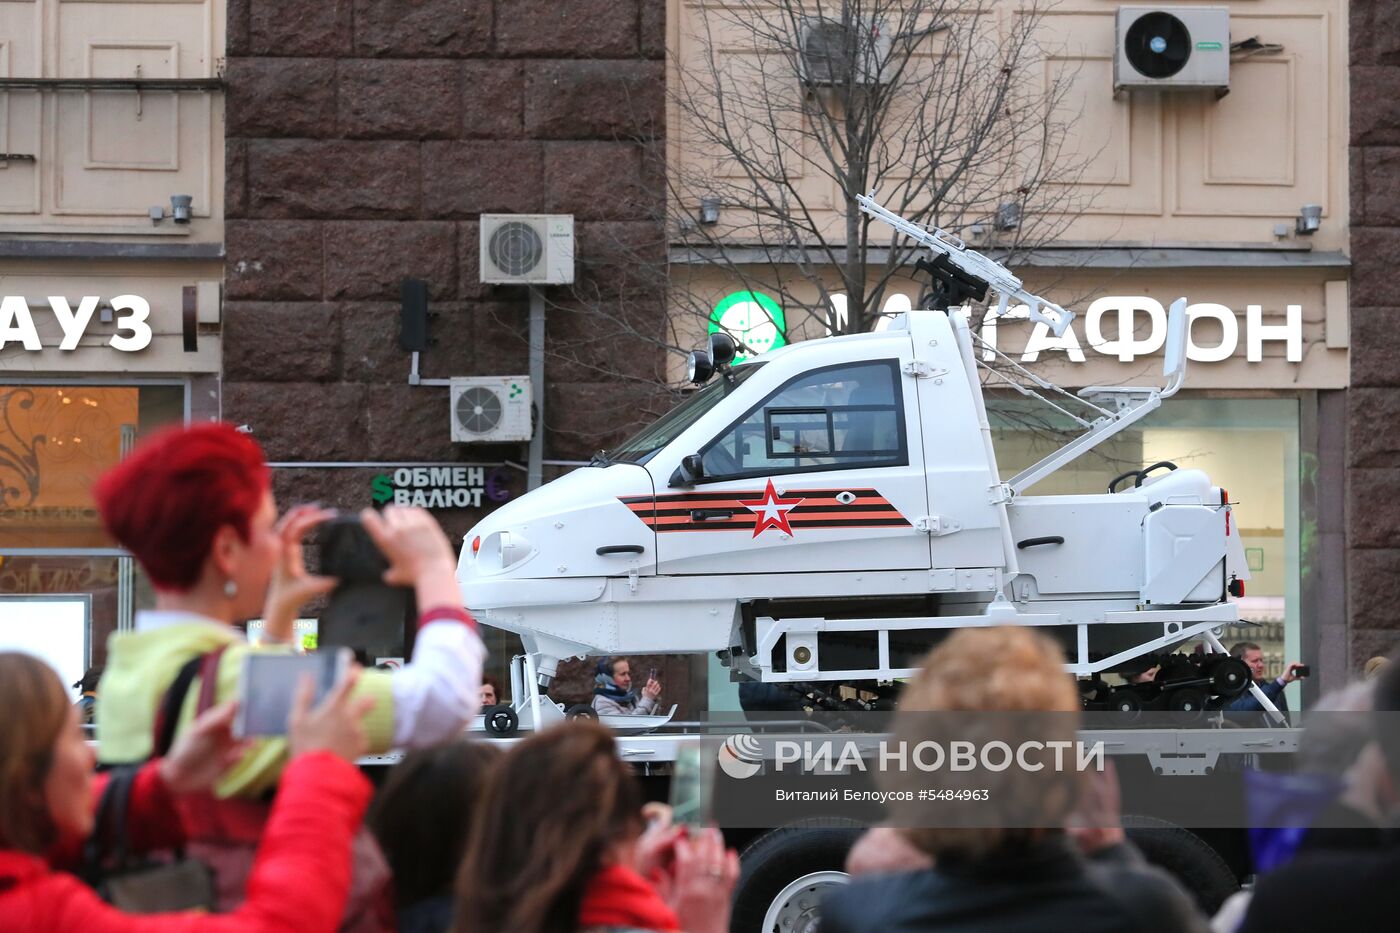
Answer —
(1177, 625)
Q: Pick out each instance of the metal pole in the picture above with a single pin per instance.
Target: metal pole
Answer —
(535, 477)
(126, 579)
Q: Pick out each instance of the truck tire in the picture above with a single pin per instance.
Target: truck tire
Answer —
(1186, 857)
(783, 872)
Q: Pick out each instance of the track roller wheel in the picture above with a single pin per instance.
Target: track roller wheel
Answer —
(1187, 700)
(1229, 677)
(581, 711)
(501, 720)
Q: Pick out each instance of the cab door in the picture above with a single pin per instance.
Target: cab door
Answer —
(825, 473)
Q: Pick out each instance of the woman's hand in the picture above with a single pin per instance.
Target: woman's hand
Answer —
(203, 752)
(292, 587)
(418, 552)
(701, 882)
(335, 726)
(654, 852)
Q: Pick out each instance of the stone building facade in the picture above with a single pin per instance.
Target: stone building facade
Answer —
(364, 139)
(1373, 445)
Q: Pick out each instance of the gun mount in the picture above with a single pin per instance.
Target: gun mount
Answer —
(960, 273)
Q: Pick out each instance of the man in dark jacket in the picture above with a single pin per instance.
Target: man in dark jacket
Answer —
(1045, 886)
(1349, 888)
(1013, 868)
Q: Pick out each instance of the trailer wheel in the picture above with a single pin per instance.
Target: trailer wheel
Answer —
(785, 872)
(1185, 856)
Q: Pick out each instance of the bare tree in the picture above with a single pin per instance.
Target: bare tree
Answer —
(781, 113)
(788, 110)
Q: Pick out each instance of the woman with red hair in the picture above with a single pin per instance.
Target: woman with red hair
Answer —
(194, 506)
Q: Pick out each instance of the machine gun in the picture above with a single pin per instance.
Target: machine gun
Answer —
(961, 274)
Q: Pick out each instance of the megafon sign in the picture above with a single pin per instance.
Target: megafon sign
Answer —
(1111, 329)
(130, 313)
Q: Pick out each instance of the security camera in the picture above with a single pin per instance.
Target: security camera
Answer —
(180, 207)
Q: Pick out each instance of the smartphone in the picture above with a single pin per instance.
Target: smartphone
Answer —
(651, 675)
(690, 789)
(1302, 670)
(270, 681)
(363, 612)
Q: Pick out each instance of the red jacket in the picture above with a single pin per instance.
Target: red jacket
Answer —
(299, 882)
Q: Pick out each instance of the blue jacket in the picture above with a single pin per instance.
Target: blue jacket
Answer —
(1246, 703)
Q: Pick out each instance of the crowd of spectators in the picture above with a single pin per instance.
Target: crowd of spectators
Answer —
(552, 834)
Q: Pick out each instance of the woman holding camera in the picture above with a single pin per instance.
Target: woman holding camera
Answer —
(48, 794)
(194, 506)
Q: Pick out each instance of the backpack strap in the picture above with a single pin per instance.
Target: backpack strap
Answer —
(109, 824)
(209, 681)
(206, 667)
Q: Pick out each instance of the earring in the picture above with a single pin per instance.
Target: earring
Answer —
(230, 589)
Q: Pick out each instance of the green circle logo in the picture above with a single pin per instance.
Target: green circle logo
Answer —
(753, 319)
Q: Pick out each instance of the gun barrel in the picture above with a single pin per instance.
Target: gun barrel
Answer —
(999, 278)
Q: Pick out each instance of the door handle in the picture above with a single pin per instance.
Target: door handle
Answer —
(1036, 542)
(607, 549)
(704, 515)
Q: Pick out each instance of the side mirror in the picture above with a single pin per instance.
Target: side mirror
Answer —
(690, 471)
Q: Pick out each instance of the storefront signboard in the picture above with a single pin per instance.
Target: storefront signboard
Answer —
(441, 487)
(1110, 327)
(754, 319)
(130, 314)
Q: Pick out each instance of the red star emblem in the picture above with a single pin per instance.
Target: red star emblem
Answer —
(771, 511)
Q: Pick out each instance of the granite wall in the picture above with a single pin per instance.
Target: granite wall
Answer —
(1373, 441)
(364, 139)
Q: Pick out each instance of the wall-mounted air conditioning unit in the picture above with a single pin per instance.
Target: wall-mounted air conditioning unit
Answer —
(1173, 48)
(527, 249)
(491, 409)
(835, 54)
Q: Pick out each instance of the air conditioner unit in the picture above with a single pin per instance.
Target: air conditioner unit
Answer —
(1173, 48)
(831, 50)
(491, 409)
(527, 249)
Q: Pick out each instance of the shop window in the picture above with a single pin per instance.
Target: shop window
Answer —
(55, 441)
(832, 419)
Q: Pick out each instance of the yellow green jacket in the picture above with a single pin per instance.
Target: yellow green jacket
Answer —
(140, 669)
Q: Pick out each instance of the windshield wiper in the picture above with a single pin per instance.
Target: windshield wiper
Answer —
(600, 459)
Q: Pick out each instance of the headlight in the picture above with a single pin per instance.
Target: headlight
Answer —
(501, 550)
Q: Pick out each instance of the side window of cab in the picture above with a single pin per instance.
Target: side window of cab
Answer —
(835, 418)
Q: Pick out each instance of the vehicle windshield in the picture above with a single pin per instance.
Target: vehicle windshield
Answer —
(640, 447)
